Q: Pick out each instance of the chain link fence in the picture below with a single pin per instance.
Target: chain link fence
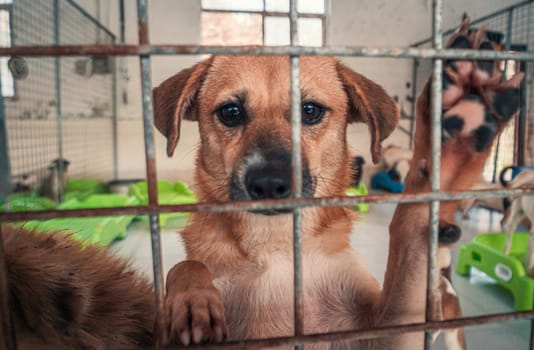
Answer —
(60, 107)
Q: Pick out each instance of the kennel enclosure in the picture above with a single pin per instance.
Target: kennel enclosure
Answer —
(89, 58)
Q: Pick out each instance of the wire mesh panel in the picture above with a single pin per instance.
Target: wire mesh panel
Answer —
(76, 90)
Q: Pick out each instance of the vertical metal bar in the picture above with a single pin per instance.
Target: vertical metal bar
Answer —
(263, 22)
(520, 138)
(148, 118)
(324, 21)
(59, 117)
(122, 21)
(414, 100)
(436, 106)
(114, 126)
(496, 158)
(8, 339)
(507, 45)
(122, 60)
(296, 162)
(508, 42)
(5, 168)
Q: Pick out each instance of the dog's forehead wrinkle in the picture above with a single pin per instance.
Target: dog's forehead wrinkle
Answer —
(266, 79)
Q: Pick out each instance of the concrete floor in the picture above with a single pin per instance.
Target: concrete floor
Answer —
(477, 293)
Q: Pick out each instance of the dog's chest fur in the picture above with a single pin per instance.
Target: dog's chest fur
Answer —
(258, 294)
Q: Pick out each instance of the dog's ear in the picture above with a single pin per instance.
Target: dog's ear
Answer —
(174, 100)
(369, 103)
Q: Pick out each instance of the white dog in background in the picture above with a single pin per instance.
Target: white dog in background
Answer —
(521, 208)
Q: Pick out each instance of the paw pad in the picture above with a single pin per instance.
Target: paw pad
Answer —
(477, 102)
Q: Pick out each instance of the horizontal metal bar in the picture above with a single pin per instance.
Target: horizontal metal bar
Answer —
(357, 51)
(290, 203)
(361, 334)
(268, 13)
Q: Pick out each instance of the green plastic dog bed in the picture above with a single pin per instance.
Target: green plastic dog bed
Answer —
(27, 202)
(361, 190)
(83, 188)
(91, 230)
(168, 193)
(486, 253)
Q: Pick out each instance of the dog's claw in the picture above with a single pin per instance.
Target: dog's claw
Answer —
(194, 311)
(185, 337)
(448, 233)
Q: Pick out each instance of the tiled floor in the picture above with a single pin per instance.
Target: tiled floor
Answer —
(370, 237)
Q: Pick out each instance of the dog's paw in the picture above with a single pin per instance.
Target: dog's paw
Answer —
(477, 102)
(193, 310)
(194, 317)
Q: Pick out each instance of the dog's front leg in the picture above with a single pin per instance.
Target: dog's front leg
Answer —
(193, 310)
(476, 106)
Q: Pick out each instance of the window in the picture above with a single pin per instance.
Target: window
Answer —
(8, 83)
(261, 22)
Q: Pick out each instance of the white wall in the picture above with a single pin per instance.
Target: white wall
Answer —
(362, 22)
(170, 22)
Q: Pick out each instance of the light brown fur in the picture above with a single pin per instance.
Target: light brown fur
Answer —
(249, 254)
(68, 296)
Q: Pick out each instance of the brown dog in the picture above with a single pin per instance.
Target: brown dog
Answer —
(63, 295)
(66, 296)
(242, 107)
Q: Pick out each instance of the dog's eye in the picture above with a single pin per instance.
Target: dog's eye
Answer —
(312, 113)
(231, 115)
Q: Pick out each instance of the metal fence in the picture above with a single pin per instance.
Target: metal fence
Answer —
(145, 50)
(512, 28)
(60, 107)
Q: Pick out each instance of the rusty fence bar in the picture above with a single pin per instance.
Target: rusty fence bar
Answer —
(353, 51)
(297, 203)
(58, 102)
(114, 116)
(296, 164)
(377, 332)
(437, 71)
(150, 154)
(265, 13)
(278, 204)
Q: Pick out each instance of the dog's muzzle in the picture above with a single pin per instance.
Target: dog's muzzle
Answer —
(268, 176)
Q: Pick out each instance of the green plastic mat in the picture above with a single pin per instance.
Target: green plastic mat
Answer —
(361, 190)
(75, 189)
(486, 253)
(83, 188)
(27, 202)
(92, 230)
(168, 193)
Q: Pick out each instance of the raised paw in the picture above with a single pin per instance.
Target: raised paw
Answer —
(477, 101)
(194, 311)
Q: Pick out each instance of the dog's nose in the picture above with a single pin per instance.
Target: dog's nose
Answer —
(261, 185)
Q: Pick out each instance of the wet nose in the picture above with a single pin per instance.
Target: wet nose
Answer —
(262, 185)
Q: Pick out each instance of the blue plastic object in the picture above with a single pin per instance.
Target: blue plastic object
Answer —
(383, 181)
